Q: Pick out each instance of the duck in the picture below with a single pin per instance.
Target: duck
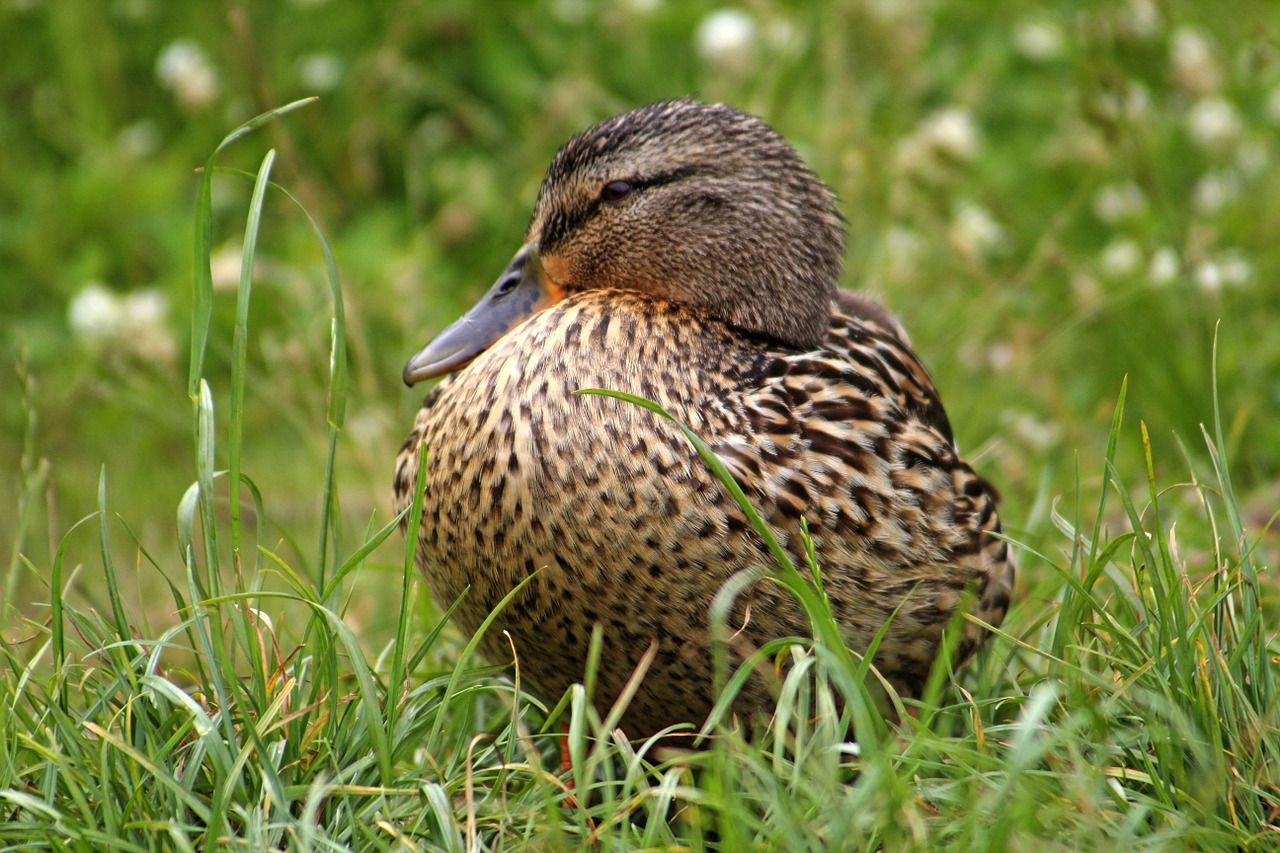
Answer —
(684, 253)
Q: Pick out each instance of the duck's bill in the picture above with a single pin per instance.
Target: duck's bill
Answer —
(521, 291)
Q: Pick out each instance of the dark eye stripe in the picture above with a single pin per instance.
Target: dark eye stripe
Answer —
(560, 224)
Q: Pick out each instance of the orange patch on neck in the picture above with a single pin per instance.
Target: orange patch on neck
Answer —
(557, 271)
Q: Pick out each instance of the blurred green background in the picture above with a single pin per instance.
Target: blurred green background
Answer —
(1052, 196)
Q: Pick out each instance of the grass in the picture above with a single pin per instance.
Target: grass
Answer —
(251, 688)
(1138, 709)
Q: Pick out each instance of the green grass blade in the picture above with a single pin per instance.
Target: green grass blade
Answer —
(357, 558)
(240, 340)
(338, 369)
(202, 279)
(432, 742)
(205, 474)
(108, 563)
(395, 686)
(58, 625)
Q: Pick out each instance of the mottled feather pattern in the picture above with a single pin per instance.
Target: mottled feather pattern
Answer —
(623, 526)
(697, 257)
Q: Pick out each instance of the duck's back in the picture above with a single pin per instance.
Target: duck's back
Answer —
(621, 524)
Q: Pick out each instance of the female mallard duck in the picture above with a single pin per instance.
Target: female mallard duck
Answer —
(683, 252)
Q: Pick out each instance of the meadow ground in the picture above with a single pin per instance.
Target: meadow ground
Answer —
(1071, 207)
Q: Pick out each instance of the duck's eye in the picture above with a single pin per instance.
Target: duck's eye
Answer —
(616, 190)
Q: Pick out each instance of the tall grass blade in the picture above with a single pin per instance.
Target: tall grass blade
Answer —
(395, 686)
(58, 623)
(337, 393)
(202, 279)
(240, 342)
(108, 563)
(1263, 681)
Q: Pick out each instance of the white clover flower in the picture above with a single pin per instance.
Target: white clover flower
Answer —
(1208, 276)
(144, 326)
(94, 314)
(145, 308)
(1131, 103)
(1214, 123)
(1229, 269)
(1215, 190)
(1117, 203)
(1039, 40)
(224, 264)
(1001, 356)
(139, 140)
(974, 231)
(1164, 267)
(1141, 19)
(320, 72)
(1235, 269)
(184, 69)
(952, 133)
(1120, 259)
(939, 141)
(136, 324)
(1195, 62)
(726, 39)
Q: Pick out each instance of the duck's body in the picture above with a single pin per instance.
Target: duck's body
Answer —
(620, 524)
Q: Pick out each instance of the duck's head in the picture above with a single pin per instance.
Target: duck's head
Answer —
(695, 203)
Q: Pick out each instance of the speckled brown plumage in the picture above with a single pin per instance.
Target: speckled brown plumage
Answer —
(709, 289)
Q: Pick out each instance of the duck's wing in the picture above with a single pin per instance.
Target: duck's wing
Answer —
(853, 437)
(869, 334)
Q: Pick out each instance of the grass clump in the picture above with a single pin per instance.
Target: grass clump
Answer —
(1131, 704)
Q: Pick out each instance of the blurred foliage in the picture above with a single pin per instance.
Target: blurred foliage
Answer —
(1052, 195)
